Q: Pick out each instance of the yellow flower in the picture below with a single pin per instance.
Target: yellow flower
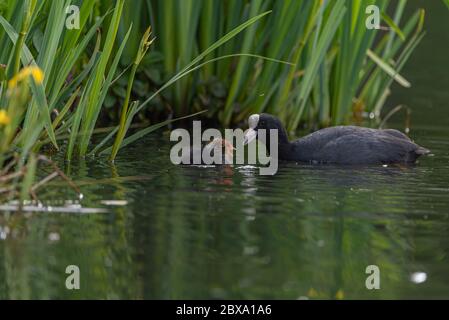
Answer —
(4, 118)
(33, 71)
(37, 74)
(340, 295)
(312, 293)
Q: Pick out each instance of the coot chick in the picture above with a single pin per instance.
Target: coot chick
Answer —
(339, 145)
(227, 152)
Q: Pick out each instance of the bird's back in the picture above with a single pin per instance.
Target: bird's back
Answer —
(355, 145)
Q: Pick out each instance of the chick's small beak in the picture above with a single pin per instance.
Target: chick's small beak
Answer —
(249, 136)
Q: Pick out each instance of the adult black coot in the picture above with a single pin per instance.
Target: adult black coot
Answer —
(338, 145)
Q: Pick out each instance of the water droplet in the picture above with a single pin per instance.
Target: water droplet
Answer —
(108, 262)
(114, 202)
(4, 231)
(250, 250)
(418, 277)
(54, 236)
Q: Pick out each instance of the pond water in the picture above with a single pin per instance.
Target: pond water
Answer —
(227, 232)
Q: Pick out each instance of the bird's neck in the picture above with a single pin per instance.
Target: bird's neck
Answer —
(282, 141)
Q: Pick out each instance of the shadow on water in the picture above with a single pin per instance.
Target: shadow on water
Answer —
(227, 232)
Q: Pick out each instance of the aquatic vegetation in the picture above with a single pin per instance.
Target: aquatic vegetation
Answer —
(75, 74)
(308, 62)
(21, 183)
(127, 116)
(342, 71)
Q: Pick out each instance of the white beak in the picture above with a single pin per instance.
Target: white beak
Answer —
(250, 135)
(253, 121)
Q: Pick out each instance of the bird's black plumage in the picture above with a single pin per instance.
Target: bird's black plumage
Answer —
(343, 145)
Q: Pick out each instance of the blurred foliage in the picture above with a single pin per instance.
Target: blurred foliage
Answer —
(334, 81)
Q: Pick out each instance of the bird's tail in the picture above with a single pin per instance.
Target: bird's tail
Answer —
(422, 151)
